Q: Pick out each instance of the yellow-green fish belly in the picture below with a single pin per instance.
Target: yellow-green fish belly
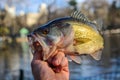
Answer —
(88, 40)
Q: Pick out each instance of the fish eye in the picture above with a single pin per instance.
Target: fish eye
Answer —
(45, 31)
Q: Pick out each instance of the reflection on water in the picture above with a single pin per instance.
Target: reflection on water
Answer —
(17, 59)
(13, 60)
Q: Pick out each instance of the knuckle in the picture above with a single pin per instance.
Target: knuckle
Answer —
(61, 54)
(64, 62)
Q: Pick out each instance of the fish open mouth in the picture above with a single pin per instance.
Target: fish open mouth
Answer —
(34, 44)
(37, 43)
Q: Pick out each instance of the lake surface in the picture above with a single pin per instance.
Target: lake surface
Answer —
(15, 63)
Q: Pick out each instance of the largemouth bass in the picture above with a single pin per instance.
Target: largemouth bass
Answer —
(75, 34)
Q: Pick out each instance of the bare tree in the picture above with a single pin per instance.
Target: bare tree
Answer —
(50, 4)
(13, 2)
(96, 9)
(18, 3)
(73, 3)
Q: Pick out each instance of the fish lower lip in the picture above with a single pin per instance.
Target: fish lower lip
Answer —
(37, 46)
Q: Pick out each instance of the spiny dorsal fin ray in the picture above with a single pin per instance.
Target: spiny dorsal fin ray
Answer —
(78, 15)
(99, 23)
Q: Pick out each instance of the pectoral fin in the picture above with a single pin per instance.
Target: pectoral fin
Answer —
(76, 59)
(97, 55)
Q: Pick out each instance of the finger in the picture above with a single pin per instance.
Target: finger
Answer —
(64, 62)
(63, 66)
(57, 58)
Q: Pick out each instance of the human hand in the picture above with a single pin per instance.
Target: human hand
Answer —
(56, 68)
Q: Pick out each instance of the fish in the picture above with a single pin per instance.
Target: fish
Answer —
(76, 35)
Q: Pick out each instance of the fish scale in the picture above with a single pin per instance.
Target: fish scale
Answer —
(88, 35)
(76, 34)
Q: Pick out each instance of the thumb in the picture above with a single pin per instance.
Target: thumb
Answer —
(37, 55)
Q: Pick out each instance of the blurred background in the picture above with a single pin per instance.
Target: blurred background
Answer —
(19, 17)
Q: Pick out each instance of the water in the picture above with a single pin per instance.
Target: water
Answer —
(13, 60)
(16, 60)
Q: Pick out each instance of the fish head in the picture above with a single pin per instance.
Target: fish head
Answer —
(49, 37)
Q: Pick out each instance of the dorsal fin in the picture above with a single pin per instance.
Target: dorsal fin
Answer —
(99, 23)
(78, 15)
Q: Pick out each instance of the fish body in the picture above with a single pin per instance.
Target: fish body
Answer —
(88, 40)
(75, 34)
